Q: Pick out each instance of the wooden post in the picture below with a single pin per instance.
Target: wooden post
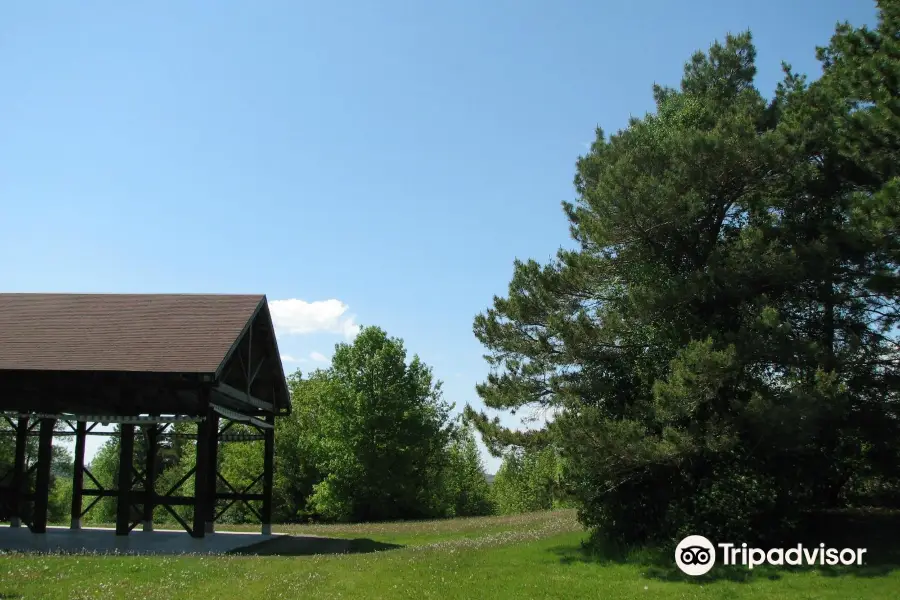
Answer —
(201, 479)
(213, 419)
(268, 475)
(126, 466)
(150, 476)
(78, 474)
(42, 485)
(19, 473)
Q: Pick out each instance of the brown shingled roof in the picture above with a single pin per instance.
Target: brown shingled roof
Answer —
(161, 333)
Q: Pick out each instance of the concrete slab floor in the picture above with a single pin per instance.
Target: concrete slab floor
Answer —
(101, 540)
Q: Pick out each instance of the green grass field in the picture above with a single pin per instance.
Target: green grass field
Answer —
(536, 555)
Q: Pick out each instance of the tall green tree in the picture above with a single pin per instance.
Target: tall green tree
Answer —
(451, 482)
(381, 429)
(463, 480)
(529, 480)
(721, 349)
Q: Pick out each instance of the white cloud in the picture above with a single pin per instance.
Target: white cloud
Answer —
(291, 359)
(318, 357)
(299, 317)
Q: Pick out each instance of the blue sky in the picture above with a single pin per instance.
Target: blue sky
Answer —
(376, 162)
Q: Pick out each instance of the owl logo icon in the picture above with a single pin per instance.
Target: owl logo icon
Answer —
(695, 555)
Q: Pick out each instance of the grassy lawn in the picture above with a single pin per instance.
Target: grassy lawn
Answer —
(526, 556)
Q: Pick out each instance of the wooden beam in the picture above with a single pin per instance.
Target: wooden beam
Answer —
(19, 472)
(90, 393)
(239, 339)
(268, 476)
(236, 394)
(201, 474)
(261, 424)
(249, 356)
(107, 419)
(255, 372)
(212, 420)
(42, 484)
(78, 474)
(152, 432)
(236, 416)
(232, 415)
(241, 437)
(126, 467)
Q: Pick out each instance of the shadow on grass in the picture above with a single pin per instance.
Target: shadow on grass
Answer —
(876, 531)
(10, 596)
(307, 545)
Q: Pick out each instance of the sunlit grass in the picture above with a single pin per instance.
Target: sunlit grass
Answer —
(413, 533)
(526, 556)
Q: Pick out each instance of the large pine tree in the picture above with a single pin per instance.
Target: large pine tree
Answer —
(721, 350)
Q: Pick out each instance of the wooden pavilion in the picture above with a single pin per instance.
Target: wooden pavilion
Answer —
(144, 362)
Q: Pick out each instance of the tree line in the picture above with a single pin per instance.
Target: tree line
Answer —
(370, 438)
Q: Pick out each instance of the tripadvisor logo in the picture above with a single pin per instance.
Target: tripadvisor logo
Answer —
(695, 555)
